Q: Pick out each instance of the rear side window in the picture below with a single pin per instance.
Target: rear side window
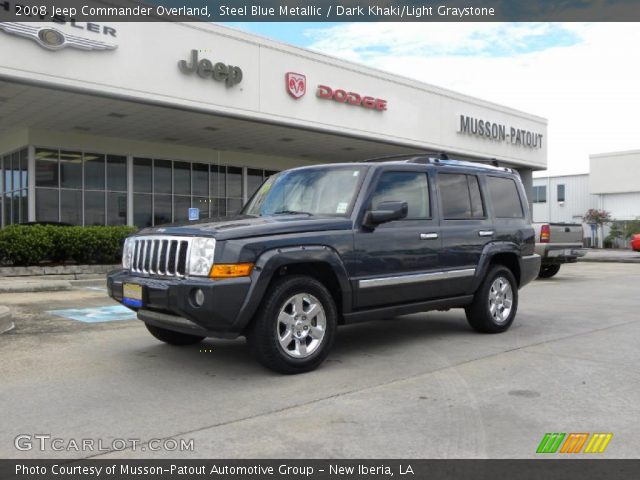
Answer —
(505, 197)
(461, 198)
(410, 187)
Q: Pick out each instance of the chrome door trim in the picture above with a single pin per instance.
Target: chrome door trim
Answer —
(415, 278)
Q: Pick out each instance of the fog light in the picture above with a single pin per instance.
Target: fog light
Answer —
(198, 297)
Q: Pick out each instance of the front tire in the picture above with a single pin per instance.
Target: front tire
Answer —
(495, 303)
(548, 271)
(173, 338)
(295, 326)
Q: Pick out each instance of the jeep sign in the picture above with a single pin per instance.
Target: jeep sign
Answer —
(229, 74)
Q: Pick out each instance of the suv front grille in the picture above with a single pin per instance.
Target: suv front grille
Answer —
(161, 255)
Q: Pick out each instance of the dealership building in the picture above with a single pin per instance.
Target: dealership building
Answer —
(136, 123)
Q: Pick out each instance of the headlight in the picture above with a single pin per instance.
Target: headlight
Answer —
(127, 253)
(201, 256)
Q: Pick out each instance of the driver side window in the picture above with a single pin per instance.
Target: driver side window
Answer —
(410, 187)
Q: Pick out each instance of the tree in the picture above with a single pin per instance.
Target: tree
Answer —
(597, 217)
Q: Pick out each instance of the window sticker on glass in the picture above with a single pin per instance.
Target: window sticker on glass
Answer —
(342, 207)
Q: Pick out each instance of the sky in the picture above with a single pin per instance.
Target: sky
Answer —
(584, 78)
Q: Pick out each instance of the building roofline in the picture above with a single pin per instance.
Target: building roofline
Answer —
(619, 153)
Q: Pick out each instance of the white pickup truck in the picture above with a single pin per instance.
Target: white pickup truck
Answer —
(558, 243)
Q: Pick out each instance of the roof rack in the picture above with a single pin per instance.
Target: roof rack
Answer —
(464, 163)
(438, 158)
(408, 156)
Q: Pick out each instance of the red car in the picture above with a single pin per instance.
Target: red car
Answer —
(635, 242)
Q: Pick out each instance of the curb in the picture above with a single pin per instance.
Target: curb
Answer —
(610, 260)
(6, 323)
(40, 286)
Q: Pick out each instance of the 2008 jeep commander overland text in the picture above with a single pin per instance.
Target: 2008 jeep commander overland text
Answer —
(321, 246)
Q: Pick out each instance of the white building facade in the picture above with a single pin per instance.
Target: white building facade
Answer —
(135, 123)
(613, 184)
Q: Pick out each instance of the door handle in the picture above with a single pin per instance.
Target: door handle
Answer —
(428, 236)
(485, 233)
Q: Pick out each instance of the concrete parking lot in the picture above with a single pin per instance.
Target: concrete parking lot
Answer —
(420, 386)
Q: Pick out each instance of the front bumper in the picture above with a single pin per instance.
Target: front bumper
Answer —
(168, 302)
(529, 268)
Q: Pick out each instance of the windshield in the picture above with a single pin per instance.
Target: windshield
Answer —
(315, 191)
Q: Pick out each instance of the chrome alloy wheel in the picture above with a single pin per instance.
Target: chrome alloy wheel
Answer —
(301, 325)
(500, 300)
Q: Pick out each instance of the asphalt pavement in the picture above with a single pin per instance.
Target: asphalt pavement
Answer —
(419, 386)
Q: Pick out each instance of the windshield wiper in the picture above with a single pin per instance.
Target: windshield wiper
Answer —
(291, 212)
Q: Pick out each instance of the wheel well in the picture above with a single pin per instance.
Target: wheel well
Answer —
(320, 271)
(509, 260)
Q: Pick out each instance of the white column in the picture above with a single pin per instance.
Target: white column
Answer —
(31, 183)
(129, 190)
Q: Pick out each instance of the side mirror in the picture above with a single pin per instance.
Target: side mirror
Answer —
(386, 212)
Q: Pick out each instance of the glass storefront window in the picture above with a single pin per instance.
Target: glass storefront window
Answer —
(161, 209)
(116, 208)
(94, 208)
(200, 178)
(234, 182)
(162, 176)
(218, 207)
(181, 205)
(117, 173)
(47, 205)
(142, 175)
(71, 206)
(46, 168)
(142, 210)
(94, 171)
(218, 181)
(181, 178)
(201, 203)
(70, 169)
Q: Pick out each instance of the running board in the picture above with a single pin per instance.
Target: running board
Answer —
(395, 310)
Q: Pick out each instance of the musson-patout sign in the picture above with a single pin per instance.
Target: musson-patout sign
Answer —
(499, 132)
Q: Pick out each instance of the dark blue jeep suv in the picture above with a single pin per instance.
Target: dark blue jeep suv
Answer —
(321, 246)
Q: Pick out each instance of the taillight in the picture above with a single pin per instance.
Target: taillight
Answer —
(545, 234)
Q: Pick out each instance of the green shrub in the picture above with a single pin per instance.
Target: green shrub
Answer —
(33, 244)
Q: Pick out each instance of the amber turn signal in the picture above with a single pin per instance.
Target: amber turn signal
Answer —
(231, 270)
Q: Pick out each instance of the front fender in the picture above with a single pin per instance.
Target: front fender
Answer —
(270, 262)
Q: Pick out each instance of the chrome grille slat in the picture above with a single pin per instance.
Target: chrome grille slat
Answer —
(164, 255)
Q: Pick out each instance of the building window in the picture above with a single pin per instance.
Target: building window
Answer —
(561, 192)
(13, 201)
(539, 194)
(81, 188)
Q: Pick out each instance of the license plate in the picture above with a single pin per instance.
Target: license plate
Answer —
(132, 294)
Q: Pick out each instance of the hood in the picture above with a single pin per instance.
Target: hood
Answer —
(243, 226)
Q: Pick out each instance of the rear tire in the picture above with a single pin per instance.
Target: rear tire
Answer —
(173, 338)
(495, 303)
(295, 326)
(548, 271)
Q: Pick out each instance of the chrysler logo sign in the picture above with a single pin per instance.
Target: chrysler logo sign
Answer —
(53, 39)
(296, 84)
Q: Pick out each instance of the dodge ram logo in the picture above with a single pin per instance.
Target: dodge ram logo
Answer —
(296, 84)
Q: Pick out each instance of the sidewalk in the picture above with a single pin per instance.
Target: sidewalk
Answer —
(611, 255)
(6, 323)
